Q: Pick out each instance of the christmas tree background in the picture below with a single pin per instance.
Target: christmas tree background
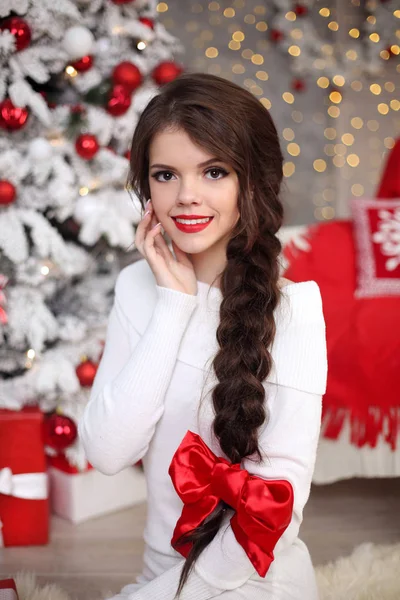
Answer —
(74, 78)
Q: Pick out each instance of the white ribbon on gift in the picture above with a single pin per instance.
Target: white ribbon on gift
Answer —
(30, 486)
(8, 594)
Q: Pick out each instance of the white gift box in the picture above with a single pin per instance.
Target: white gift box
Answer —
(78, 497)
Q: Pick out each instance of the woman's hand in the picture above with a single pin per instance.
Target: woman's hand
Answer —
(174, 272)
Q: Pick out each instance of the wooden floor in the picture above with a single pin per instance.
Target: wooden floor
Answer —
(94, 560)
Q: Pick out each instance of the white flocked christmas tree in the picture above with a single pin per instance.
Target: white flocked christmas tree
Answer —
(74, 78)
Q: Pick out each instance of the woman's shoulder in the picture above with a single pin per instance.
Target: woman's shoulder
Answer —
(299, 302)
(299, 348)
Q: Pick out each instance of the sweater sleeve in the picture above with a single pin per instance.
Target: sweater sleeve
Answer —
(126, 399)
(288, 444)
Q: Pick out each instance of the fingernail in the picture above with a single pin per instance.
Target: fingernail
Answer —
(147, 203)
(158, 224)
(146, 213)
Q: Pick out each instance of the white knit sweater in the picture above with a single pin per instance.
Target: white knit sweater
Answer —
(160, 344)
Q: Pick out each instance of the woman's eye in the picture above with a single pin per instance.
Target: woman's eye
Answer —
(218, 171)
(156, 175)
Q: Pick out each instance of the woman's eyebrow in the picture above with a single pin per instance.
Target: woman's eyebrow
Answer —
(203, 164)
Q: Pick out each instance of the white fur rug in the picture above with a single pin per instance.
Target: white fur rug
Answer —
(370, 573)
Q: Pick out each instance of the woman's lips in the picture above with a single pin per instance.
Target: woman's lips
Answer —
(192, 228)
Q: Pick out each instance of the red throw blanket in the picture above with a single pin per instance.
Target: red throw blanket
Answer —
(363, 334)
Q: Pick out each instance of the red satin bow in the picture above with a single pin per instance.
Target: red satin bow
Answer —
(263, 509)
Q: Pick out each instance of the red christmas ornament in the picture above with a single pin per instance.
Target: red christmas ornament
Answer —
(299, 85)
(19, 29)
(119, 100)
(121, 1)
(86, 372)
(59, 432)
(166, 71)
(83, 64)
(128, 75)
(87, 146)
(276, 35)
(7, 192)
(300, 9)
(128, 154)
(12, 117)
(77, 109)
(147, 21)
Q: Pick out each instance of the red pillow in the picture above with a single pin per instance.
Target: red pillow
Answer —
(377, 241)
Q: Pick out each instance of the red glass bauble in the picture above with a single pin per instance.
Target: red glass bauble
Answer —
(119, 100)
(276, 35)
(299, 85)
(7, 192)
(87, 146)
(12, 117)
(166, 71)
(59, 432)
(128, 154)
(147, 21)
(83, 64)
(20, 30)
(128, 75)
(86, 372)
(300, 9)
(77, 109)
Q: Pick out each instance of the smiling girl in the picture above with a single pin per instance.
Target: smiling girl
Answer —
(214, 367)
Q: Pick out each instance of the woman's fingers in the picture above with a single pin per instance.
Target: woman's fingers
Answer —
(181, 256)
(141, 232)
(163, 248)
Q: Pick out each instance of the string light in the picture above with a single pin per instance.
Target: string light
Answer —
(288, 134)
(319, 165)
(211, 52)
(353, 160)
(323, 82)
(338, 80)
(334, 112)
(261, 26)
(257, 59)
(266, 102)
(357, 122)
(330, 133)
(354, 33)
(357, 189)
(383, 108)
(375, 88)
(297, 116)
(294, 50)
(70, 71)
(289, 168)
(238, 36)
(324, 12)
(229, 13)
(162, 7)
(348, 139)
(288, 97)
(293, 149)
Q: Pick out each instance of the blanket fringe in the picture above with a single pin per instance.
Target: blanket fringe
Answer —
(366, 427)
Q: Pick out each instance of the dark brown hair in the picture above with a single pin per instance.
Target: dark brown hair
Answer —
(230, 123)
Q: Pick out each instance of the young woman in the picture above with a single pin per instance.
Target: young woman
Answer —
(214, 367)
